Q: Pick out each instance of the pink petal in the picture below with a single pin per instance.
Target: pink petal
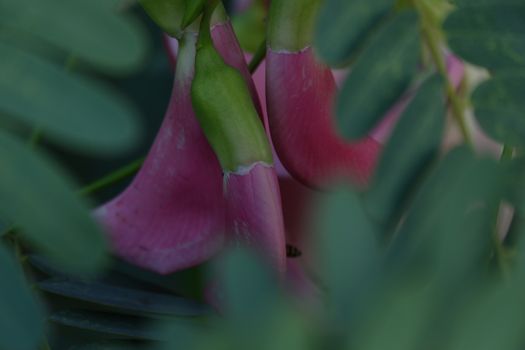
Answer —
(254, 211)
(300, 94)
(172, 215)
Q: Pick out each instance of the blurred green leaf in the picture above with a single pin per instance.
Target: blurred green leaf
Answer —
(493, 320)
(467, 3)
(284, 329)
(516, 184)
(289, 330)
(348, 251)
(343, 26)
(21, 318)
(109, 345)
(489, 34)
(68, 108)
(380, 76)
(41, 264)
(413, 145)
(255, 313)
(4, 228)
(247, 286)
(38, 198)
(130, 300)
(399, 320)
(90, 30)
(186, 283)
(452, 217)
(111, 324)
(180, 335)
(499, 107)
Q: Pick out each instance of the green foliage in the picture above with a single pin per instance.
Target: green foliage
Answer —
(488, 33)
(466, 191)
(491, 320)
(21, 319)
(39, 206)
(382, 73)
(70, 109)
(110, 324)
(515, 191)
(343, 258)
(500, 108)
(344, 26)
(89, 30)
(39, 199)
(125, 299)
(413, 262)
(408, 152)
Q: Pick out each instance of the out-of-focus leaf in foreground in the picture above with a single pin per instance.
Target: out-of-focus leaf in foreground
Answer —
(69, 109)
(21, 318)
(348, 252)
(343, 26)
(92, 31)
(381, 74)
(127, 299)
(500, 108)
(412, 146)
(38, 197)
(490, 34)
(449, 228)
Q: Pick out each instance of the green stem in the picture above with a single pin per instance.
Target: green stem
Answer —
(115, 176)
(428, 29)
(205, 24)
(291, 24)
(258, 57)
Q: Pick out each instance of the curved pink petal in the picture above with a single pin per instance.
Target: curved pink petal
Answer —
(172, 215)
(255, 214)
(300, 94)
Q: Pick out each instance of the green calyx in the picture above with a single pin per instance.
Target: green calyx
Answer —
(291, 24)
(224, 108)
(193, 10)
(178, 16)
